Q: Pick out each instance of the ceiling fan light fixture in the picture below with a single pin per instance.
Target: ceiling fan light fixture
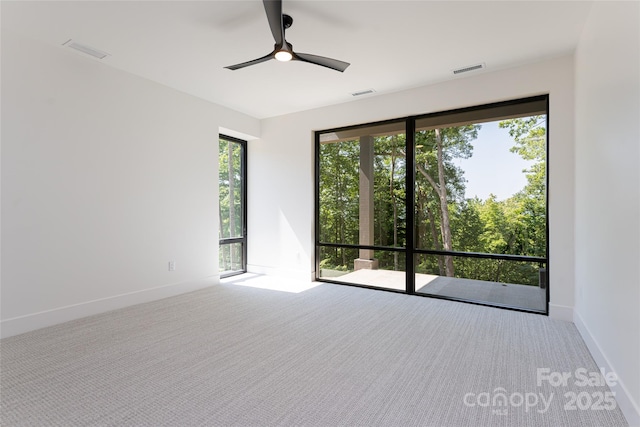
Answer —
(284, 56)
(283, 50)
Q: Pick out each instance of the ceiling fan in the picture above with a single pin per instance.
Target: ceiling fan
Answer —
(283, 50)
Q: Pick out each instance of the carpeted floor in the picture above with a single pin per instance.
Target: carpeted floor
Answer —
(327, 356)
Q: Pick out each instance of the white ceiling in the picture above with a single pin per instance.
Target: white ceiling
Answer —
(391, 45)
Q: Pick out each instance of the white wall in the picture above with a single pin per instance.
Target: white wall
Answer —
(106, 177)
(281, 207)
(607, 310)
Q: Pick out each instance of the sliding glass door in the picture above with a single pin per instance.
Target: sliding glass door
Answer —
(450, 205)
(480, 197)
(233, 206)
(362, 212)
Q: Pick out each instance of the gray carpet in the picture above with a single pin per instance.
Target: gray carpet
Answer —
(329, 356)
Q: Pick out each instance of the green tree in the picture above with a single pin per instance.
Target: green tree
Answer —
(229, 184)
(529, 135)
(339, 199)
(390, 194)
(444, 219)
(229, 181)
(435, 151)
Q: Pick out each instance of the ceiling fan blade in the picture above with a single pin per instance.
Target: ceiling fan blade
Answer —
(252, 62)
(334, 64)
(273, 8)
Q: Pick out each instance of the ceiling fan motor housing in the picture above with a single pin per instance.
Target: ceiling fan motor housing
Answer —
(287, 21)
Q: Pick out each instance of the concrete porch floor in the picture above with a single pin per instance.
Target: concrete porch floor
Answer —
(519, 296)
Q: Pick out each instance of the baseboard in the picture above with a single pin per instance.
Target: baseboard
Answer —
(31, 322)
(561, 312)
(627, 405)
(282, 272)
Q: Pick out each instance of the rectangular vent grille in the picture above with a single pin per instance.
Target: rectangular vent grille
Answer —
(85, 49)
(363, 92)
(469, 68)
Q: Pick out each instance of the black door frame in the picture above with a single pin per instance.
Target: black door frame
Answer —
(410, 250)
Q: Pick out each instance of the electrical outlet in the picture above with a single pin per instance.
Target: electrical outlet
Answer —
(172, 266)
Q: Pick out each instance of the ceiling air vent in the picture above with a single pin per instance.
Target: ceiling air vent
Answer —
(469, 68)
(363, 92)
(85, 49)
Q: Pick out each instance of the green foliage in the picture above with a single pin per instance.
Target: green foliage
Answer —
(229, 184)
(515, 226)
(456, 144)
(339, 182)
(389, 191)
(467, 224)
(529, 210)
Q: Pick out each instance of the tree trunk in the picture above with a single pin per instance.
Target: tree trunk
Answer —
(441, 189)
(395, 208)
(436, 241)
(222, 248)
(498, 271)
(421, 221)
(342, 225)
(342, 234)
(232, 198)
(444, 207)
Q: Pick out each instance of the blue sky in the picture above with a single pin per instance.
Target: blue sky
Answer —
(493, 168)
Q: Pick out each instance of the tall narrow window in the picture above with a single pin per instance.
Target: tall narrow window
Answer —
(233, 206)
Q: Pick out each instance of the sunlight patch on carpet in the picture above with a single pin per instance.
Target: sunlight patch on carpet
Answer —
(274, 283)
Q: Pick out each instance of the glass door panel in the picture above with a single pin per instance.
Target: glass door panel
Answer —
(456, 208)
(480, 203)
(362, 205)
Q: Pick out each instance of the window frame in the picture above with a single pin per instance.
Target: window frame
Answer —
(243, 200)
(410, 251)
